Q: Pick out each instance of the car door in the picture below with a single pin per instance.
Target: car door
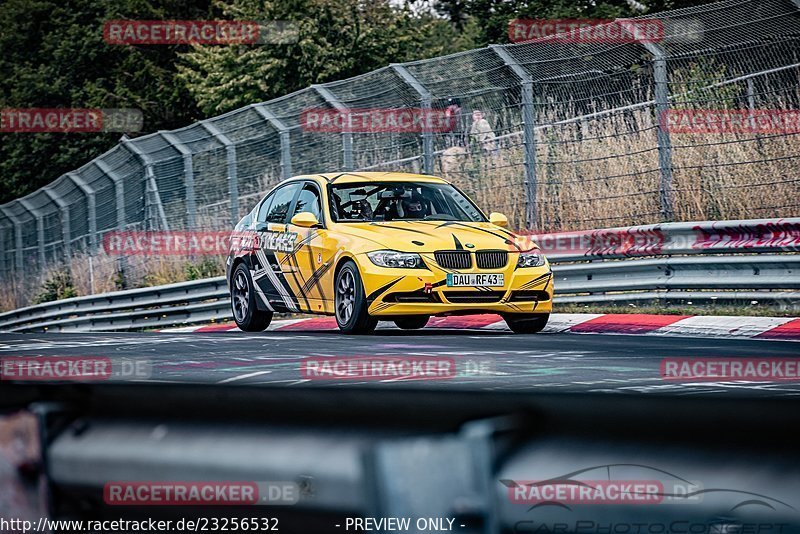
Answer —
(275, 244)
(313, 254)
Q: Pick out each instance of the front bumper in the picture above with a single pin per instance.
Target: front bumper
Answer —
(395, 292)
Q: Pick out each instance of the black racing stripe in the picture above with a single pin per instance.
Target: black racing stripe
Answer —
(336, 177)
(381, 290)
(439, 283)
(459, 246)
(536, 281)
(281, 278)
(316, 275)
(404, 229)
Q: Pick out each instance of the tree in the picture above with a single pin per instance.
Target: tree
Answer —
(52, 54)
(335, 39)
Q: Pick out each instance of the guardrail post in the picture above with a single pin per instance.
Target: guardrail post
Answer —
(18, 260)
(425, 102)
(91, 209)
(347, 137)
(188, 173)
(119, 190)
(63, 208)
(528, 133)
(39, 230)
(150, 176)
(283, 131)
(233, 178)
(661, 81)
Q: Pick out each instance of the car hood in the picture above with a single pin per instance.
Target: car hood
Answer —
(406, 236)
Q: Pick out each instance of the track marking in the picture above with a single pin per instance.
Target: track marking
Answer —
(242, 377)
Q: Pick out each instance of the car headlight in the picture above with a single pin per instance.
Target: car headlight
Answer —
(534, 258)
(392, 258)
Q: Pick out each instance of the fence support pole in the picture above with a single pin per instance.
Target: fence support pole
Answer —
(188, 173)
(150, 177)
(233, 176)
(91, 208)
(18, 260)
(347, 137)
(425, 101)
(283, 131)
(661, 80)
(39, 230)
(119, 190)
(528, 134)
(63, 208)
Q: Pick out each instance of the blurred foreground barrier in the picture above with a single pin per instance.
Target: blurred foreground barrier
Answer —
(700, 262)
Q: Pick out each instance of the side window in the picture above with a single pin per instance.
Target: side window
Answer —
(279, 208)
(264, 209)
(308, 200)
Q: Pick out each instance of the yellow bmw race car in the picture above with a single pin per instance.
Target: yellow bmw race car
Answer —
(382, 245)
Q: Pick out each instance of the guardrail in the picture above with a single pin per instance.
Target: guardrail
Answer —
(734, 261)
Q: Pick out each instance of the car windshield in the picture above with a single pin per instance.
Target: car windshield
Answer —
(401, 201)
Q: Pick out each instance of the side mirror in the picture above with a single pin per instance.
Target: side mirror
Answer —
(498, 219)
(305, 219)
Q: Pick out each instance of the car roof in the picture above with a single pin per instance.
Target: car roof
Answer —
(361, 177)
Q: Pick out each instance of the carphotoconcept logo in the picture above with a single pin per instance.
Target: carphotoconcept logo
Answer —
(376, 120)
(70, 120)
(201, 32)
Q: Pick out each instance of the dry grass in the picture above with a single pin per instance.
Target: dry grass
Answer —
(107, 273)
(605, 173)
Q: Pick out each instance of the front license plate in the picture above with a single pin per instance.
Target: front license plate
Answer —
(475, 280)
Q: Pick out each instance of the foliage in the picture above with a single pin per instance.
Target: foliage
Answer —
(58, 286)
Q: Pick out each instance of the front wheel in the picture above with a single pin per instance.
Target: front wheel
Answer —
(412, 322)
(243, 303)
(527, 323)
(350, 302)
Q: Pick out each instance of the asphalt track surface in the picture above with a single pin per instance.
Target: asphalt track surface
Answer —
(498, 361)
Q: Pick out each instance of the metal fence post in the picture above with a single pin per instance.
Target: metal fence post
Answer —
(18, 260)
(230, 164)
(91, 208)
(347, 137)
(39, 230)
(63, 208)
(150, 177)
(661, 81)
(528, 133)
(425, 102)
(119, 190)
(188, 172)
(283, 131)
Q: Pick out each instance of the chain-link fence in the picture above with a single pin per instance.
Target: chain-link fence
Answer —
(579, 139)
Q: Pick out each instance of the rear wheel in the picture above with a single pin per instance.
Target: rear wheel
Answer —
(412, 322)
(351, 303)
(527, 323)
(243, 303)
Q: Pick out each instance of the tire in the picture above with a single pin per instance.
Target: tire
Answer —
(350, 302)
(412, 322)
(243, 302)
(529, 323)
